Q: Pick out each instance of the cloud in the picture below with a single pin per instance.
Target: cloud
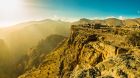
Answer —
(96, 18)
(121, 17)
(118, 17)
(66, 19)
(110, 17)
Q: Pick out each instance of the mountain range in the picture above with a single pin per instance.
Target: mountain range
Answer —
(82, 49)
(111, 22)
(16, 41)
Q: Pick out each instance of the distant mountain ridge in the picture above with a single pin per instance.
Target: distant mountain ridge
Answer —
(111, 22)
(29, 34)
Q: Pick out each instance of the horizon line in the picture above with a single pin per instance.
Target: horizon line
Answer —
(66, 19)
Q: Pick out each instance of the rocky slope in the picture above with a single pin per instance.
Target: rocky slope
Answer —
(93, 51)
(34, 57)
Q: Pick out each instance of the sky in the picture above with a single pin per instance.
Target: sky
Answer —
(15, 11)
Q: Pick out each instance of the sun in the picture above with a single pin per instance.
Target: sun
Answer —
(9, 11)
(9, 5)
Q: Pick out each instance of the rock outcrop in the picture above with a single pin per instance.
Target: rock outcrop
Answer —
(91, 53)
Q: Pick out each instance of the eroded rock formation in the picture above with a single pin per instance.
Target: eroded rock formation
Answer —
(91, 53)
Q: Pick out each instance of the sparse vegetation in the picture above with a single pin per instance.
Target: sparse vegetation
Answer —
(134, 39)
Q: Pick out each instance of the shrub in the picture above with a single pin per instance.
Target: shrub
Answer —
(134, 39)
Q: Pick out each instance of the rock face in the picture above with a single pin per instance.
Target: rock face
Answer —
(120, 66)
(91, 53)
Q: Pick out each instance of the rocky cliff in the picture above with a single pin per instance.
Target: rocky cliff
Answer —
(92, 51)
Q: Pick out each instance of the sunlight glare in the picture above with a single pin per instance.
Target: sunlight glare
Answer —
(10, 10)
